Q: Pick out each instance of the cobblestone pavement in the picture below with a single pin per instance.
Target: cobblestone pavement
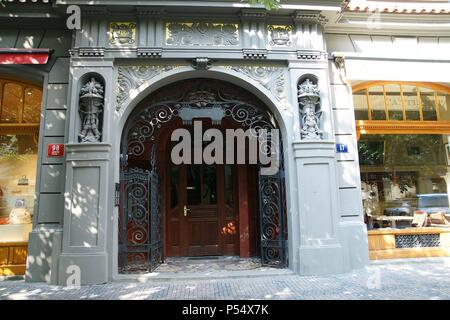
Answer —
(401, 279)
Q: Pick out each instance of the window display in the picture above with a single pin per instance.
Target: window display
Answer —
(405, 180)
(18, 158)
(20, 109)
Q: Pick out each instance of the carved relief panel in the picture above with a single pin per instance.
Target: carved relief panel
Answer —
(122, 33)
(202, 34)
(279, 35)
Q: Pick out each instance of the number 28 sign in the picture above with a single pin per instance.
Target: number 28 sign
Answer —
(55, 150)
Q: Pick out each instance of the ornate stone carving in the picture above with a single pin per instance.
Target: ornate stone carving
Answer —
(310, 110)
(132, 77)
(272, 78)
(91, 105)
(279, 36)
(122, 33)
(202, 34)
(201, 63)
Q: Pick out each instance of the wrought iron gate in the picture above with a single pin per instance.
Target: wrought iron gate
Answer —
(272, 220)
(141, 238)
(141, 225)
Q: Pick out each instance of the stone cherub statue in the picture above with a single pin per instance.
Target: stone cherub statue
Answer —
(91, 104)
(309, 103)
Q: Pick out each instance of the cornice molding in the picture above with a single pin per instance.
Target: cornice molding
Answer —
(309, 17)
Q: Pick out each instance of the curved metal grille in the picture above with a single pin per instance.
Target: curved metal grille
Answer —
(217, 100)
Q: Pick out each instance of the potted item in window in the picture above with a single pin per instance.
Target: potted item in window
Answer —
(19, 214)
(23, 181)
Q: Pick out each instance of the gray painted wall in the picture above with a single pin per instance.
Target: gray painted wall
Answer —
(324, 217)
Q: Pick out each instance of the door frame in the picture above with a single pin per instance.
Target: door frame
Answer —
(164, 160)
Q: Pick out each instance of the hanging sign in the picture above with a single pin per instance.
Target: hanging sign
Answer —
(55, 150)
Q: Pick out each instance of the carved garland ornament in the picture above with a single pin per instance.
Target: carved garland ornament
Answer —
(132, 77)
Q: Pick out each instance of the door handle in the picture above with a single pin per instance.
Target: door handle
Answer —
(186, 211)
(190, 188)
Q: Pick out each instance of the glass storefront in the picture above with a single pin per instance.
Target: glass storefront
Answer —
(404, 180)
(404, 161)
(20, 106)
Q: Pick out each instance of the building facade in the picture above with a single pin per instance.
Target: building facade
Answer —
(108, 199)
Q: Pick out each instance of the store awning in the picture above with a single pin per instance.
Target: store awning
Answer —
(24, 56)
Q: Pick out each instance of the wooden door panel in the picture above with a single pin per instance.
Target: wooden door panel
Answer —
(210, 226)
(203, 239)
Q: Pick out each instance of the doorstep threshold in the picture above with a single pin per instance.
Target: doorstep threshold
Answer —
(206, 275)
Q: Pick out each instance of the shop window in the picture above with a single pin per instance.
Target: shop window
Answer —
(12, 103)
(404, 180)
(361, 105)
(20, 109)
(394, 101)
(443, 105)
(428, 102)
(376, 101)
(411, 99)
(401, 102)
(32, 105)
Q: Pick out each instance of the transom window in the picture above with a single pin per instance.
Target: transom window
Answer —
(401, 101)
(20, 103)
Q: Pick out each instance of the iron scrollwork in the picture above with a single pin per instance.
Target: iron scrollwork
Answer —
(143, 129)
(141, 234)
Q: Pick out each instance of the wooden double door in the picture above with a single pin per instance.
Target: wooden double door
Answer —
(202, 210)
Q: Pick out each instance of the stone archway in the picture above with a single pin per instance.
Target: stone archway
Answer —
(141, 232)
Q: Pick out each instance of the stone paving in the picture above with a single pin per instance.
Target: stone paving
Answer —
(420, 279)
(230, 263)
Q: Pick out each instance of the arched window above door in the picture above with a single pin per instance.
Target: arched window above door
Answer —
(20, 103)
(401, 101)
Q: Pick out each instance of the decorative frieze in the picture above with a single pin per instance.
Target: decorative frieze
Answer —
(91, 52)
(90, 107)
(202, 34)
(254, 53)
(310, 55)
(310, 110)
(122, 33)
(149, 52)
(132, 77)
(279, 35)
(270, 77)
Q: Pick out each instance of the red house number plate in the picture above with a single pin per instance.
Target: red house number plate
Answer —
(55, 150)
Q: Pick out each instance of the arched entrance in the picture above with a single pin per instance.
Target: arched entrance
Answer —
(199, 208)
